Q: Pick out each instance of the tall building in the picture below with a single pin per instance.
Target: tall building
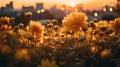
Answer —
(39, 6)
(8, 8)
(27, 8)
(58, 13)
(2, 9)
(108, 10)
(118, 7)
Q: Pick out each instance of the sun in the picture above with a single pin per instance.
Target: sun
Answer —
(72, 4)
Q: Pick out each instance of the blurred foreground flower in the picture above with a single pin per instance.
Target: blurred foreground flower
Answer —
(36, 29)
(46, 63)
(116, 25)
(4, 23)
(106, 54)
(4, 20)
(5, 49)
(22, 54)
(74, 21)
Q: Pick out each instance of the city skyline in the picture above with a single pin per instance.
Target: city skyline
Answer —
(87, 4)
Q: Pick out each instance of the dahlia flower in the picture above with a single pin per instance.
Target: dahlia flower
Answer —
(4, 21)
(74, 21)
(46, 63)
(116, 25)
(102, 25)
(36, 28)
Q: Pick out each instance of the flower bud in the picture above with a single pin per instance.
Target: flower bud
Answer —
(81, 39)
(103, 28)
(55, 21)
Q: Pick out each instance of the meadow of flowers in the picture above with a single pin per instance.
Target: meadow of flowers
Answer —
(77, 43)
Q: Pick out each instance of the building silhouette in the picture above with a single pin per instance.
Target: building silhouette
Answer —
(118, 7)
(39, 6)
(27, 9)
(8, 8)
(58, 13)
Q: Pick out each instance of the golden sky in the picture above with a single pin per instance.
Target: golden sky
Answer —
(88, 4)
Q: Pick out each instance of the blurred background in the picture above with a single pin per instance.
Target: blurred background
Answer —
(58, 9)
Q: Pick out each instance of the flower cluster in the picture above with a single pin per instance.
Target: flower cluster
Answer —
(4, 23)
(77, 43)
(116, 25)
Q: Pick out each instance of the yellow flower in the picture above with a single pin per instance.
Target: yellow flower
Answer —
(4, 20)
(116, 25)
(46, 63)
(22, 54)
(4, 23)
(5, 27)
(28, 14)
(36, 29)
(102, 25)
(74, 21)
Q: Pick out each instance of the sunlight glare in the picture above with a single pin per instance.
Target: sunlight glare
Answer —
(72, 4)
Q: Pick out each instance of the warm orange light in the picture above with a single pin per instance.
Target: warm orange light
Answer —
(88, 4)
(76, 9)
(42, 10)
(38, 11)
(72, 4)
(111, 9)
(62, 8)
(104, 9)
(95, 14)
